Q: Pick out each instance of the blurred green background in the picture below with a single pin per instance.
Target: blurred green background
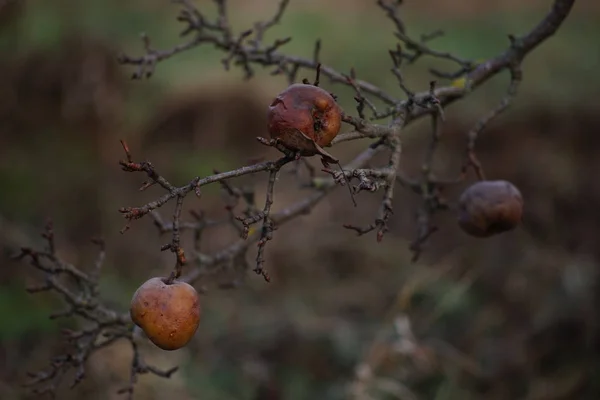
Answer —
(511, 317)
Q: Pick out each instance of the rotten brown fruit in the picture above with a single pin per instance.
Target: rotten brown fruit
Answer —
(305, 118)
(168, 313)
(488, 208)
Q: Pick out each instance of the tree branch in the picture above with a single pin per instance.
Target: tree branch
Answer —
(79, 289)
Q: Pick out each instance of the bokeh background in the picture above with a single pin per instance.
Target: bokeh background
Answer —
(510, 317)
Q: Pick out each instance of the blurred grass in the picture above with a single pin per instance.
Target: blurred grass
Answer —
(559, 73)
(25, 314)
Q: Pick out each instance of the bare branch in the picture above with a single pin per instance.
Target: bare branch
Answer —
(78, 289)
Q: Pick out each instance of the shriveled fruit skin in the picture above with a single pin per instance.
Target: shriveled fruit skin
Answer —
(303, 113)
(488, 208)
(168, 314)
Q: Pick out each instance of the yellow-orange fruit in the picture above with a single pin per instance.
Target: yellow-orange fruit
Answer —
(488, 208)
(169, 314)
(304, 115)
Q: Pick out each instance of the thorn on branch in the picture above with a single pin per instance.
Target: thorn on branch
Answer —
(38, 289)
(426, 37)
(276, 45)
(317, 75)
(317, 52)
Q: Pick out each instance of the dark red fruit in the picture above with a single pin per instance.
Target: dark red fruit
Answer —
(489, 208)
(304, 118)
